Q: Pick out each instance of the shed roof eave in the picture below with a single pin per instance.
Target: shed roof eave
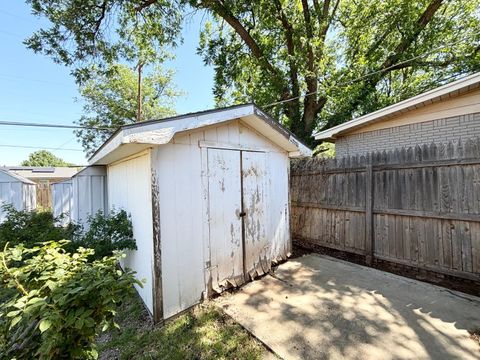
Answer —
(143, 135)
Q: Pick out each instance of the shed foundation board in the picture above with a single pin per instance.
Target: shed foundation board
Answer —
(316, 307)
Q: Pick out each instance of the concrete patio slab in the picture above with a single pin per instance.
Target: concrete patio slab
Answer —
(316, 307)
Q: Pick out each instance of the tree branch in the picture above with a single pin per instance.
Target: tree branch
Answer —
(145, 4)
(422, 22)
(221, 10)
(290, 48)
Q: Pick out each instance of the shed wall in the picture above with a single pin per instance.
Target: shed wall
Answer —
(89, 195)
(438, 131)
(20, 195)
(129, 188)
(62, 200)
(183, 196)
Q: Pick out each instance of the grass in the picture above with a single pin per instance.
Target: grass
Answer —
(203, 333)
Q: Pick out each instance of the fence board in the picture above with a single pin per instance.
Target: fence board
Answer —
(417, 206)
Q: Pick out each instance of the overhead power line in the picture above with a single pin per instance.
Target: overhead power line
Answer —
(59, 126)
(37, 147)
(373, 72)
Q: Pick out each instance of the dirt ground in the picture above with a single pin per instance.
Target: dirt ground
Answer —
(317, 307)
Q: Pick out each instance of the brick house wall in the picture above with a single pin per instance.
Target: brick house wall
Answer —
(438, 131)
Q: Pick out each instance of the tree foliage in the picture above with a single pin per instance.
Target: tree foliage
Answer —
(110, 101)
(44, 158)
(324, 61)
(60, 301)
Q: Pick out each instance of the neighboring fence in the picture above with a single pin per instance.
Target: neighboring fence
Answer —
(418, 207)
(44, 195)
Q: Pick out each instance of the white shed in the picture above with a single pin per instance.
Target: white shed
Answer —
(62, 199)
(209, 198)
(18, 191)
(89, 191)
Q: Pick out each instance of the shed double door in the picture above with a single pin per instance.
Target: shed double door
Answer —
(236, 192)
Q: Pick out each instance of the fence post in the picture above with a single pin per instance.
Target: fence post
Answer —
(369, 236)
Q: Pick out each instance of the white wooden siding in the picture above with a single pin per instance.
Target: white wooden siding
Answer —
(89, 194)
(62, 200)
(182, 169)
(178, 167)
(129, 188)
(13, 191)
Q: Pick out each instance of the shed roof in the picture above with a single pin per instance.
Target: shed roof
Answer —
(16, 177)
(42, 172)
(454, 88)
(133, 138)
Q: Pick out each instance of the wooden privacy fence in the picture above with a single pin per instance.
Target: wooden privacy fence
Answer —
(418, 207)
(44, 195)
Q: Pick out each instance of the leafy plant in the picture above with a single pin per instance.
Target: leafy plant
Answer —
(32, 227)
(61, 301)
(104, 234)
(108, 233)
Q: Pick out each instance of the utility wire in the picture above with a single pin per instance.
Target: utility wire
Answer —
(59, 126)
(37, 147)
(372, 73)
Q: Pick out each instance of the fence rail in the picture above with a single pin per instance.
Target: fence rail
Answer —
(418, 206)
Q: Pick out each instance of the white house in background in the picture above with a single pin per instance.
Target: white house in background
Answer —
(16, 190)
(208, 194)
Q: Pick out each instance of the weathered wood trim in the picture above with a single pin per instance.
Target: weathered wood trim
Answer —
(369, 235)
(427, 164)
(228, 146)
(328, 245)
(429, 214)
(400, 166)
(131, 157)
(157, 251)
(329, 171)
(328, 207)
(462, 274)
(399, 212)
(206, 224)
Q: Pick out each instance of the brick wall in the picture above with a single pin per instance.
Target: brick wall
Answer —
(438, 131)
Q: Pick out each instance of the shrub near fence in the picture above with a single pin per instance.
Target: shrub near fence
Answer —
(418, 206)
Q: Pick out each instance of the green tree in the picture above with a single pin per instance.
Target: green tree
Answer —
(44, 158)
(110, 100)
(322, 62)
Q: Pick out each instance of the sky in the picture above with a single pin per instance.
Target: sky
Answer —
(35, 89)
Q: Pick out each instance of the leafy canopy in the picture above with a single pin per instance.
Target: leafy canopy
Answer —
(315, 52)
(110, 101)
(44, 158)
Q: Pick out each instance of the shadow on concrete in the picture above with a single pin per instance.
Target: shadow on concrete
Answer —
(318, 307)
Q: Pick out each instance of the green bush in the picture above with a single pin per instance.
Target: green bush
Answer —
(61, 301)
(33, 227)
(104, 234)
(108, 233)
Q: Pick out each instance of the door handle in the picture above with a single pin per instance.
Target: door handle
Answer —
(242, 214)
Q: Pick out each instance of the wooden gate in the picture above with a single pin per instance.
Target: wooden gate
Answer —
(418, 207)
(44, 195)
